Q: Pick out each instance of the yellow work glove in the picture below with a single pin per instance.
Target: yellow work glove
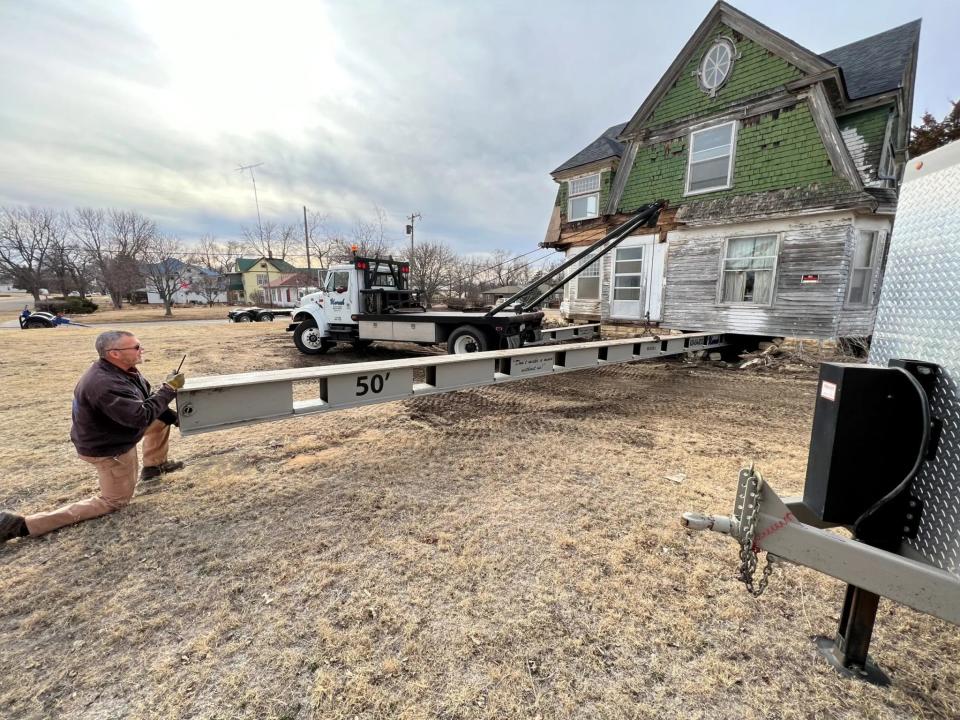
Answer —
(175, 380)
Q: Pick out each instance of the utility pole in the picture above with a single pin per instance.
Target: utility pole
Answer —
(413, 217)
(256, 199)
(306, 235)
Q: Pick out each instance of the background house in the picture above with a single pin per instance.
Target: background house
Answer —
(198, 285)
(287, 290)
(779, 168)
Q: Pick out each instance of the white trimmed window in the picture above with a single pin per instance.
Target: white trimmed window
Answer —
(710, 161)
(863, 268)
(583, 197)
(749, 268)
(588, 282)
(262, 279)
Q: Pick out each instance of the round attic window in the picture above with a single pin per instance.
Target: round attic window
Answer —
(716, 65)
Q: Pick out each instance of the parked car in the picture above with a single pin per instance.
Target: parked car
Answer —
(255, 314)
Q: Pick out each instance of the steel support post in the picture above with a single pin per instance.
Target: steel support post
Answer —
(847, 652)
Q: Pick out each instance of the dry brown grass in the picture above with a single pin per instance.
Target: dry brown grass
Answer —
(507, 552)
(149, 313)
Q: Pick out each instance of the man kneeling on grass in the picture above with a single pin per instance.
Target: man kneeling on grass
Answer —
(113, 409)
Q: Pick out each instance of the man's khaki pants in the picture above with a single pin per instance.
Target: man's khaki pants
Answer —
(118, 478)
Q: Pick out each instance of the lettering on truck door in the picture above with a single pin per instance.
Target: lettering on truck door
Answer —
(338, 297)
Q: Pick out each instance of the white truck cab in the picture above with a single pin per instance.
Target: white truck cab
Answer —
(369, 299)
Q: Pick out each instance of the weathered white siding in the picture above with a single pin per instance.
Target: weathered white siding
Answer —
(858, 321)
(818, 245)
(572, 307)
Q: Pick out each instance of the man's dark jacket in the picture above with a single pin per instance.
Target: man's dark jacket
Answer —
(112, 409)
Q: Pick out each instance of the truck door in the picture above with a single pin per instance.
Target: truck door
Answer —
(339, 295)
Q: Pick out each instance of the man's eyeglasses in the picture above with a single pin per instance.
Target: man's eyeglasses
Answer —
(132, 347)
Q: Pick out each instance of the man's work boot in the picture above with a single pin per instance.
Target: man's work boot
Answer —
(12, 526)
(152, 472)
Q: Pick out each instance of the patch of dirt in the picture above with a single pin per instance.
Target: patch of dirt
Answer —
(511, 551)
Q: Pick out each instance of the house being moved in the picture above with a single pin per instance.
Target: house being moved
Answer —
(780, 171)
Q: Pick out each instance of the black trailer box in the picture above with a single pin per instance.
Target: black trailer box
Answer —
(867, 428)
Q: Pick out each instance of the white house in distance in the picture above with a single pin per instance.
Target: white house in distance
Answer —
(192, 277)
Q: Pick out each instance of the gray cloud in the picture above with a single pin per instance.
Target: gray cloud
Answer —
(458, 110)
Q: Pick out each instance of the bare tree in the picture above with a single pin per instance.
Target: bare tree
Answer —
(430, 269)
(368, 235)
(319, 243)
(275, 242)
(465, 276)
(215, 259)
(27, 237)
(164, 272)
(115, 241)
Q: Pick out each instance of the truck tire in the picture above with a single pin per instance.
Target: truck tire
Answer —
(466, 339)
(308, 340)
(34, 323)
(265, 317)
(243, 318)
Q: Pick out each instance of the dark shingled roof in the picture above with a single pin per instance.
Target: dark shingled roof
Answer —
(602, 148)
(876, 64)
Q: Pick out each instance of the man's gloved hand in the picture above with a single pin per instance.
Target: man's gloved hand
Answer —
(175, 380)
(169, 417)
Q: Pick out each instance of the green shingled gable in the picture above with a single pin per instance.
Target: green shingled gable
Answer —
(863, 134)
(246, 264)
(755, 72)
(777, 150)
(605, 179)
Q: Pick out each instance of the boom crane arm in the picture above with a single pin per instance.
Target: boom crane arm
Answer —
(647, 214)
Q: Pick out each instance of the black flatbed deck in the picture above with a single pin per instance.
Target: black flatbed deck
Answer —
(454, 316)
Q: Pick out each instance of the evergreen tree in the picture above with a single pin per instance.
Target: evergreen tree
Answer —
(932, 134)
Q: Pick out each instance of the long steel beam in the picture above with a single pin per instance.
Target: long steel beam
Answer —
(225, 401)
(590, 331)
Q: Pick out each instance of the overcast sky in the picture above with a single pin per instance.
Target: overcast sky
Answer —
(458, 110)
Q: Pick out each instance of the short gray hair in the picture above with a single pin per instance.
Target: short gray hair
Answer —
(106, 340)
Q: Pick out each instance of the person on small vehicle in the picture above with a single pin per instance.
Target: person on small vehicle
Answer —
(113, 410)
(61, 319)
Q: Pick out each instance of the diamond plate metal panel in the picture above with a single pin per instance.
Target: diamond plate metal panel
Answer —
(919, 318)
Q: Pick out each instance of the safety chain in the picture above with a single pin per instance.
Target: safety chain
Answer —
(748, 527)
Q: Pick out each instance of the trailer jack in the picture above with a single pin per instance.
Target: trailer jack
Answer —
(787, 530)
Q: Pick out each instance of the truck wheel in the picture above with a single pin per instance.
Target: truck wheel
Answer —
(242, 318)
(34, 324)
(308, 340)
(265, 317)
(466, 339)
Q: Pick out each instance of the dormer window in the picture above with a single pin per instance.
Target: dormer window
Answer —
(716, 65)
(584, 197)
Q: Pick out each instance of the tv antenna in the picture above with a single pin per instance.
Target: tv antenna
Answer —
(256, 199)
